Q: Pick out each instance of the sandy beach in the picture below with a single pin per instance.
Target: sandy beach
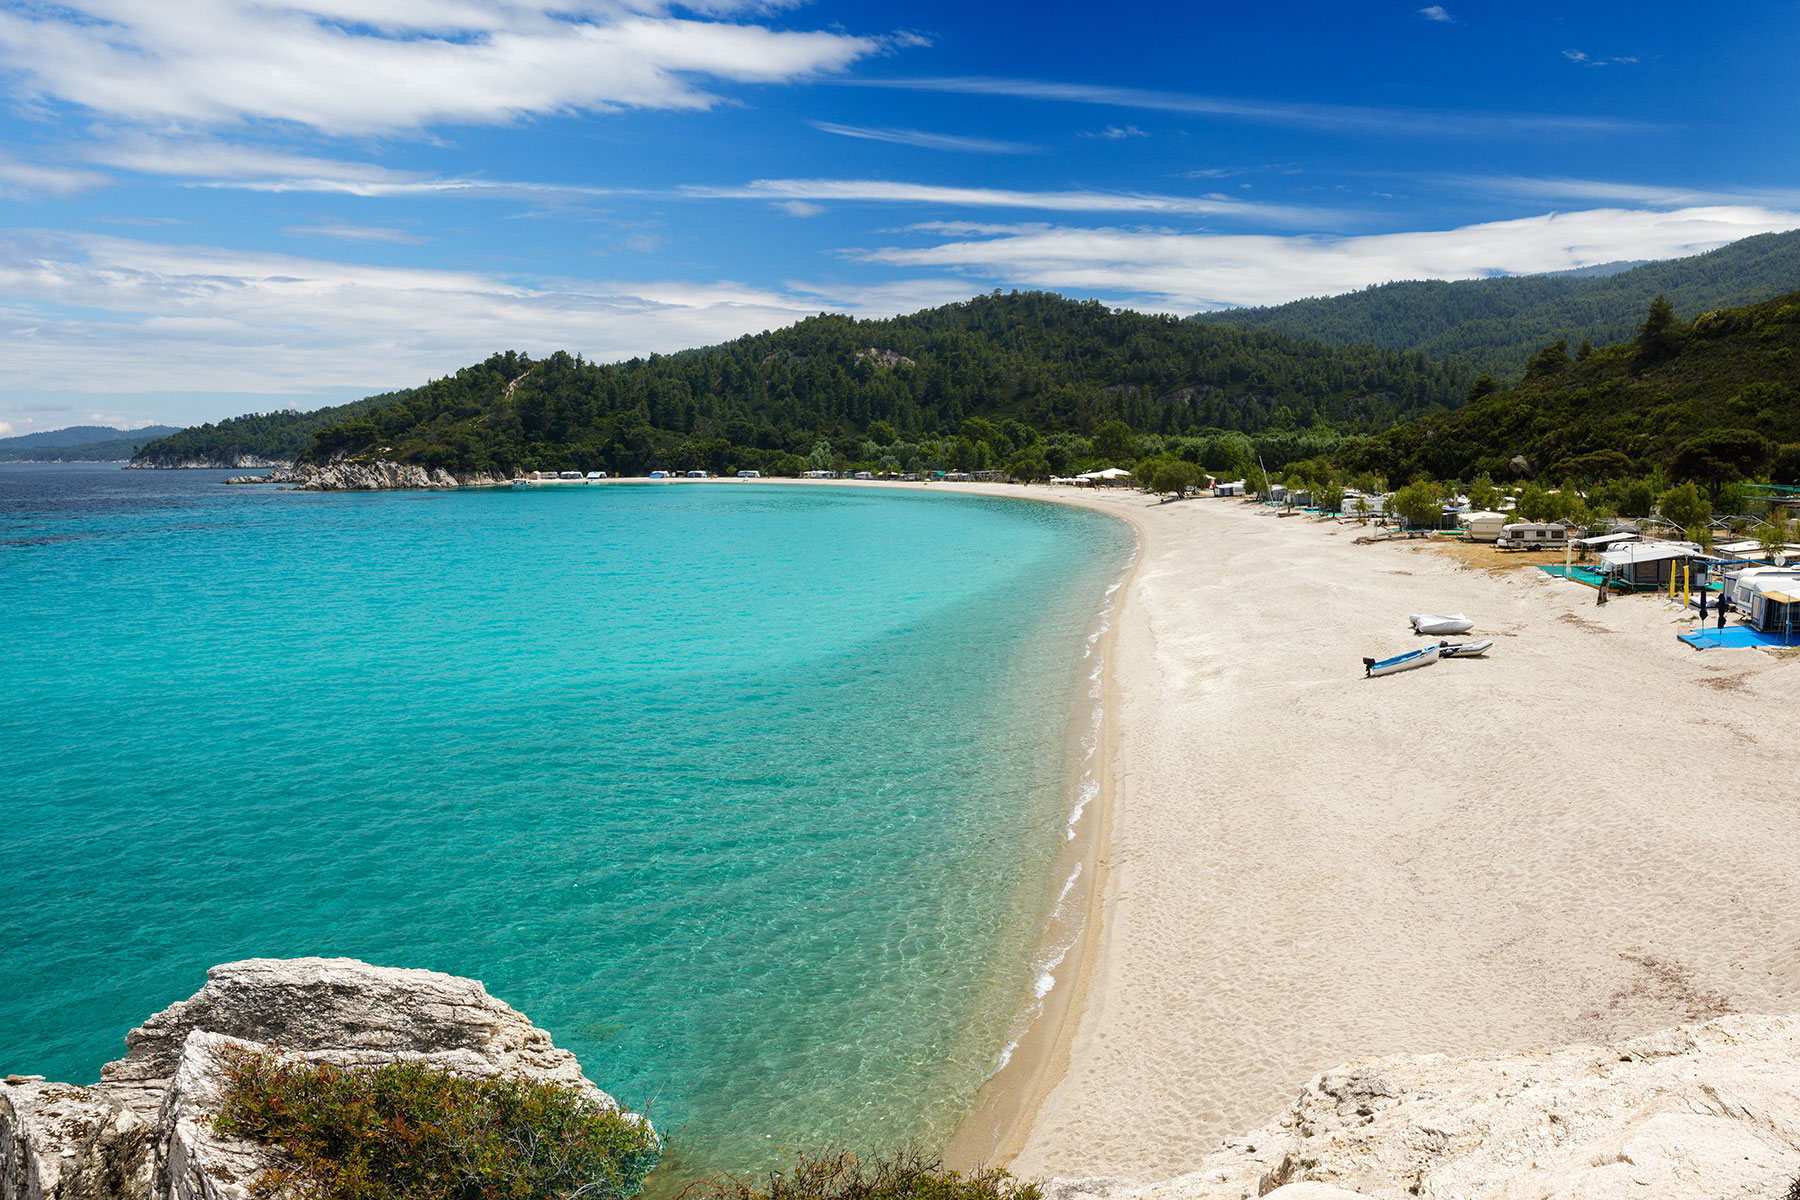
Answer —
(1583, 836)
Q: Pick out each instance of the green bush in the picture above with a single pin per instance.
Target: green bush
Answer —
(839, 1175)
(407, 1131)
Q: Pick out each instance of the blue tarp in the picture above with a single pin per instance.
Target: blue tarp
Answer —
(1732, 636)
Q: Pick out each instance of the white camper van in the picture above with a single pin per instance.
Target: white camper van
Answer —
(1525, 535)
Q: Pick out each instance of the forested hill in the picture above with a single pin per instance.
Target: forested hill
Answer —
(1493, 325)
(832, 385)
(80, 443)
(1714, 401)
(278, 437)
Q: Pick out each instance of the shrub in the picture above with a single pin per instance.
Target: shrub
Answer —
(839, 1175)
(418, 1132)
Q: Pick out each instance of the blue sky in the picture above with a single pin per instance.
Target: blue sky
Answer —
(217, 206)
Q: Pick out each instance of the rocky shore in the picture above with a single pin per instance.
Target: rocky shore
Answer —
(373, 477)
(144, 1132)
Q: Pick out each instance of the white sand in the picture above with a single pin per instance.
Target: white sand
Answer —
(1594, 832)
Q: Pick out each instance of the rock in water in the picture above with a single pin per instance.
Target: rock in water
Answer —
(144, 1132)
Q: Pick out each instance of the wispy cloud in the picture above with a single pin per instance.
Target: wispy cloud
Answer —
(1164, 269)
(813, 192)
(208, 157)
(350, 68)
(354, 233)
(94, 314)
(799, 208)
(1437, 12)
(1319, 116)
(1655, 195)
(926, 141)
(1588, 60)
(1117, 133)
(30, 180)
(890, 192)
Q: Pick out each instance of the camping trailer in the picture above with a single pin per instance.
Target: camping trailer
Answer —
(1531, 535)
(1484, 526)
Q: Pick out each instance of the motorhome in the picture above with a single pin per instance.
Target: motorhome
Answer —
(1531, 535)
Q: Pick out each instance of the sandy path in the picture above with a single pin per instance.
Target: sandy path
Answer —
(1585, 835)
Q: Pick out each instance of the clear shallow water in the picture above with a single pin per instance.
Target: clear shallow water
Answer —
(748, 794)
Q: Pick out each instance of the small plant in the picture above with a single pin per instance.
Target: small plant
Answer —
(407, 1130)
(840, 1175)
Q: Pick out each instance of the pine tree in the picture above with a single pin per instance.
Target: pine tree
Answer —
(1659, 337)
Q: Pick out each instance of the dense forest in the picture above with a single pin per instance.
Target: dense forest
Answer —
(1715, 401)
(1020, 381)
(280, 436)
(80, 443)
(1494, 325)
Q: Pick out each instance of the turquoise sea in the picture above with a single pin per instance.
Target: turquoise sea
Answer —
(750, 794)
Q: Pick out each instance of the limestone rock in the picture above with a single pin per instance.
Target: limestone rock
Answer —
(144, 1132)
(1702, 1112)
(343, 1011)
(387, 476)
(59, 1142)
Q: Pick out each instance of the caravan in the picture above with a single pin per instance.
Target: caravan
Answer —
(1483, 526)
(1531, 535)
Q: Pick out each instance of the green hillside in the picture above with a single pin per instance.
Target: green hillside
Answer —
(967, 385)
(1493, 325)
(1714, 401)
(80, 443)
(271, 437)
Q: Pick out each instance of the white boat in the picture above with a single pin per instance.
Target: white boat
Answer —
(1463, 649)
(1400, 662)
(1439, 624)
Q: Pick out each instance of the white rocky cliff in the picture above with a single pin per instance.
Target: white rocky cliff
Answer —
(144, 1131)
(1701, 1112)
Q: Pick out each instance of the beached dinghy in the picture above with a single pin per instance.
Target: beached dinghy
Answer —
(1435, 624)
(1400, 662)
(1463, 649)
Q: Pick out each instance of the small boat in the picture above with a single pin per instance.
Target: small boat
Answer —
(1400, 662)
(1436, 624)
(1463, 649)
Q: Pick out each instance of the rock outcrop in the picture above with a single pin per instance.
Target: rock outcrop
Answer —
(1701, 1112)
(388, 476)
(144, 1132)
(227, 462)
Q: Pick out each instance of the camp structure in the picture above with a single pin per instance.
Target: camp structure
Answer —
(1234, 488)
(1483, 526)
(1110, 477)
(1533, 535)
(1642, 565)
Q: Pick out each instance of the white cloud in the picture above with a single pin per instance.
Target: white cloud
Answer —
(1655, 195)
(354, 233)
(799, 208)
(813, 191)
(98, 315)
(887, 191)
(205, 157)
(926, 141)
(1118, 133)
(1204, 270)
(1321, 116)
(26, 179)
(1586, 59)
(1436, 12)
(348, 67)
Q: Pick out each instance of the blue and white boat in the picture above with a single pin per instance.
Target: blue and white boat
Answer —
(1400, 662)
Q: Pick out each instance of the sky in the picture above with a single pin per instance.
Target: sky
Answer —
(210, 207)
